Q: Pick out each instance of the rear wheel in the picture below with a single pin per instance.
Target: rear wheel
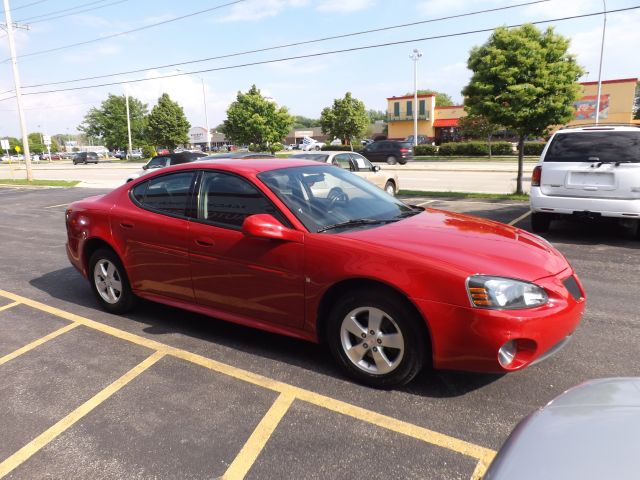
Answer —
(109, 282)
(390, 188)
(376, 338)
(391, 160)
(540, 222)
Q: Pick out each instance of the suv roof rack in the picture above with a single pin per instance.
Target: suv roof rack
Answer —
(600, 125)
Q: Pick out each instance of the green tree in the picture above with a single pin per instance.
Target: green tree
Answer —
(35, 143)
(442, 99)
(109, 122)
(305, 122)
(347, 119)
(525, 80)
(252, 118)
(167, 125)
(476, 126)
(13, 143)
(375, 115)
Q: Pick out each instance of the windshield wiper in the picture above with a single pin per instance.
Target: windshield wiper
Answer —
(357, 222)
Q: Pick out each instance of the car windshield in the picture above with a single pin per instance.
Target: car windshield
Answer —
(331, 200)
(593, 146)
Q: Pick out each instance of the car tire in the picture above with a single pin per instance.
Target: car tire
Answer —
(390, 188)
(402, 162)
(391, 160)
(540, 222)
(390, 357)
(109, 282)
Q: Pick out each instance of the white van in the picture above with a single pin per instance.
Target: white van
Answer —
(588, 171)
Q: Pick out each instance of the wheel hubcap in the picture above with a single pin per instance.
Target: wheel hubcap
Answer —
(107, 280)
(372, 340)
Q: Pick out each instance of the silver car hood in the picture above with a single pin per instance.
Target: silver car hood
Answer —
(591, 431)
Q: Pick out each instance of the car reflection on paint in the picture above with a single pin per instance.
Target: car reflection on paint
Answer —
(315, 252)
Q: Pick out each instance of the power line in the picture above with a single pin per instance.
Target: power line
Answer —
(295, 44)
(331, 52)
(25, 6)
(48, 16)
(114, 35)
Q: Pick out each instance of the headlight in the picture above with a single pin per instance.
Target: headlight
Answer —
(504, 293)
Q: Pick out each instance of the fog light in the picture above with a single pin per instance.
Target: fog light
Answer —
(507, 353)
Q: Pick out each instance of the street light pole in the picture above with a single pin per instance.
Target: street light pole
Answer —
(604, 28)
(16, 81)
(415, 56)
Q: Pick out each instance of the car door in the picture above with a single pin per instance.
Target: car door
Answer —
(242, 277)
(366, 170)
(154, 233)
(372, 151)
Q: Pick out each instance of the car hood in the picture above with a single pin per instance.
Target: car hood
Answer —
(589, 432)
(470, 244)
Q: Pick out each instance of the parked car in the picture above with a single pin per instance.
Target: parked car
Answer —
(167, 160)
(136, 154)
(315, 252)
(422, 140)
(390, 151)
(588, 172)
(85, 157)
(356, 163)
(589, 432)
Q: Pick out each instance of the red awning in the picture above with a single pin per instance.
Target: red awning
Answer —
(446, 122)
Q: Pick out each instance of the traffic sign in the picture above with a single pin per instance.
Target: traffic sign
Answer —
(46, 139)
(18, 149)
(4, 144)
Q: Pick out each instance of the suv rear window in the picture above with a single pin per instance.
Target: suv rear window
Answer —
(604, 146)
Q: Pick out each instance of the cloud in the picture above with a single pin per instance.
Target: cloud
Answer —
(539, 11)
(254, 10)
(344, 5)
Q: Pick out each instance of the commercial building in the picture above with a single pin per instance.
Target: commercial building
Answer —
(440, 124)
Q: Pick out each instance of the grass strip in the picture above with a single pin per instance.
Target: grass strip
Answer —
(40, 183)
(491, 196)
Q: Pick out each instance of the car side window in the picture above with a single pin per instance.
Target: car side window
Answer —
(226, 200)
(158, 162)
(342, 160)
(168, 193)
(362, 163)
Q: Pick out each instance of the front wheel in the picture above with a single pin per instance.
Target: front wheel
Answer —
(376, 338)
(540, 222)
(390, 188)
(391, 160)
(109, 282)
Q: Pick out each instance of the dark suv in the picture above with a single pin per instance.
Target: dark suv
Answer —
(389, 151)
(85, 157)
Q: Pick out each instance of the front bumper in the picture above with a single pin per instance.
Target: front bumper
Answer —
(466, 338)
(606, 207)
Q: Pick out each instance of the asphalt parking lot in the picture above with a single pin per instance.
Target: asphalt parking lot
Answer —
(162, 393)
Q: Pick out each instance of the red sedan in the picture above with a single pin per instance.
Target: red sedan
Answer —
(315, 252)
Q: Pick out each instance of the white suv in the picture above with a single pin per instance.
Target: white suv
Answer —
(588, 171)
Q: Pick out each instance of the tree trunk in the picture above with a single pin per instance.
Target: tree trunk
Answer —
(520, 164)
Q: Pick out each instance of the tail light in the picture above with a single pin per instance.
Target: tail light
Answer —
(536, 176)
(404, 150)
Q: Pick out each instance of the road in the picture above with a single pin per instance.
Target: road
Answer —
(162, 393)
(485, 177)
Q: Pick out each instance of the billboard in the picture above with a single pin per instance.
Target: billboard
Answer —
(585, 107)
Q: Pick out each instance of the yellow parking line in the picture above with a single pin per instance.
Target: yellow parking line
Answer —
(520, 218)
(38, 342)
(54, 206)
(405, 428)
(481, 468)
(51, 433)
(8, 306)
(258, 439)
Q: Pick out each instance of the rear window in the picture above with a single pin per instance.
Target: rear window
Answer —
(605, 146)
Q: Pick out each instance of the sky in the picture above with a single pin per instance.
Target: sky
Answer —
(157, 37)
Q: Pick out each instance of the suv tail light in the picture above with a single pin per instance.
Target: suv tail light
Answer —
(535, 177)
(404, 150)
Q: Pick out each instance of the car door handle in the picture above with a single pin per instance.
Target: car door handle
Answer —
(205, 242)
(126, 225)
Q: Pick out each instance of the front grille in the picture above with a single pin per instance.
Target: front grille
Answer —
(572, 287)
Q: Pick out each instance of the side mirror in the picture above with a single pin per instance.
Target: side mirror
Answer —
(264, 225)
(144, 167)
(376, 168)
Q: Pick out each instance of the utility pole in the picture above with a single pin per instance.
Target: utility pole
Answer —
(604, 28)
(415, 56)
(9, 26)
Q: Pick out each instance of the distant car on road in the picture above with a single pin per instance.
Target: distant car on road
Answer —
(590, 432)
(85, 157)
(390, 151)
(167, 160)
(356, 163)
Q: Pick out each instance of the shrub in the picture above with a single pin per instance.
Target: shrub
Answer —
(419, 150)
(501, 148)
(275, 147)
(148, 151)
(464, 149)
(533, 148)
